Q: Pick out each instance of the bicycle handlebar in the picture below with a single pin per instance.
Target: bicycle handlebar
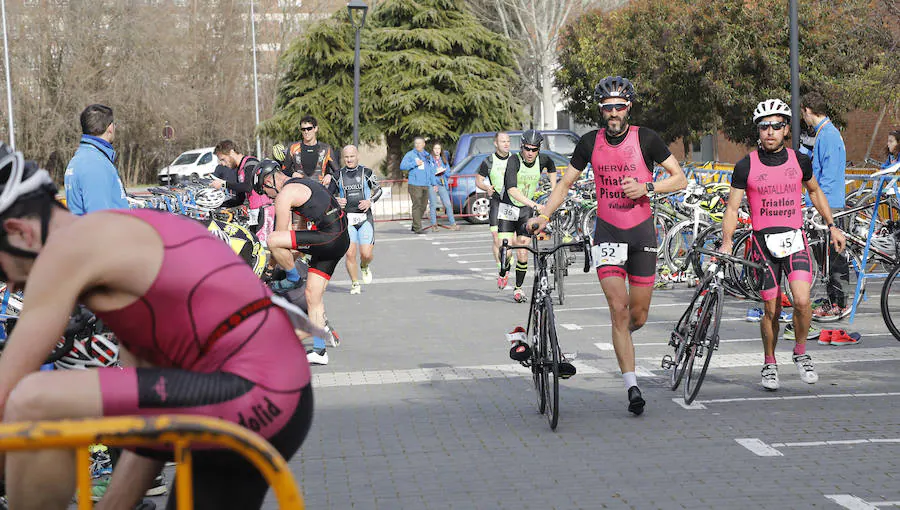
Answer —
(583, 242)
(722, 256)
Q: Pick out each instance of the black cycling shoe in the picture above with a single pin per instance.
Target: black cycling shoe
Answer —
(635, 401)
(520, 351)
(566, 370)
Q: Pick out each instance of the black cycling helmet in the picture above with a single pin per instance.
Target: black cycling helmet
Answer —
(532, 137)
(614, 86)
(21, 180)
(266, 168)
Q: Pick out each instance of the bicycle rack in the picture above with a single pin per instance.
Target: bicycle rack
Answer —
(889, 177)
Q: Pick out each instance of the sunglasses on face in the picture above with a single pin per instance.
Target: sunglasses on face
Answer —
(310, 128)
(764, 126)
(608, 107)
(530, 149)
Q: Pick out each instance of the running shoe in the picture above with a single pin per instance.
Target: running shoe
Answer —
(317, 356)
(786, 316)
(355, 288)
(841, 337)
(366, 274)
(770, 376)
(518, 295)
(806, 368)
(636, 401)
(159, 486)
(502, 282)
(790, 334)
(754, 314)
(285, 284)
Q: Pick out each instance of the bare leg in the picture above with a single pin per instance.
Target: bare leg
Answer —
(352, 263)
(620, 315)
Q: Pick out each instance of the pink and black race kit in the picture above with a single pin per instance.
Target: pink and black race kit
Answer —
(218, 347)
(773, 183)
(621, 220)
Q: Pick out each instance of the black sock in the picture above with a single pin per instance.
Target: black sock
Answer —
(521, 269)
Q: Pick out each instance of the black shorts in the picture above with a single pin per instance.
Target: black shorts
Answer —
(326, 247)
(640, 268)
(796, 266)
(520, 226)
(492, 215)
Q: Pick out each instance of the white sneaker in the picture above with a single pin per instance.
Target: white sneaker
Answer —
(366, 274)
(806, 368)
(770, 376)
(317, 358)
(355, 288)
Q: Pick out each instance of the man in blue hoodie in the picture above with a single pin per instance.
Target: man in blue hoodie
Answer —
(418, 181)
(829, 162)
(92, 182)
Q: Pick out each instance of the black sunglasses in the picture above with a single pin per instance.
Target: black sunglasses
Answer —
(608, 107)
(310, 128)
(776, 125)
(530, 149)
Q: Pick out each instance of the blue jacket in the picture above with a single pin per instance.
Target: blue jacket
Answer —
(829, 162)
(417, 176)
(432, 167)
(891, 159)
(92, 182)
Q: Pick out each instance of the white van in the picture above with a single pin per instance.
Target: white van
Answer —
(190, 165)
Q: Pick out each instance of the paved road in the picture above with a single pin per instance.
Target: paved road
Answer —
(421, 408)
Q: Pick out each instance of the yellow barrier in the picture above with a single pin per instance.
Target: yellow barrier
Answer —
(177, 431)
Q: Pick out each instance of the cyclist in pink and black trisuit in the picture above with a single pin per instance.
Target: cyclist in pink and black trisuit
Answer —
(773, 178)
(622, 157)
(201, 331)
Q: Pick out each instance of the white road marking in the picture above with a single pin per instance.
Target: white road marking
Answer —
(658, 305)
(794, 397)
(693, 405)
(820, 357)
(410, 279)
(425, 375)
(641, 371)
(486, 241)
(758, 447)
(571, 327)
(474, 261)
(454, 255)
(604, 346)
(851, 502)
(838, 442)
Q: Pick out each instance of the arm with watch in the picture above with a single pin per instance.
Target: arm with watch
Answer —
(820, 202)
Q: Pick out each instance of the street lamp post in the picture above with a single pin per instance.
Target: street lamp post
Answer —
(9, 103)
(795, 75)
(255, 77)
(362, 8)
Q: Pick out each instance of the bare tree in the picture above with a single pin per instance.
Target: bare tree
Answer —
(535, 25)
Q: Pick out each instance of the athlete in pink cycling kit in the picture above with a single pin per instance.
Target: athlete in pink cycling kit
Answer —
(773, 178)
(622, 157)
(202, 329)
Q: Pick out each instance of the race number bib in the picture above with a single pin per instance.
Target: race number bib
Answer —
(508, 212)
(609, 254)
(356, 218)
(785, 244)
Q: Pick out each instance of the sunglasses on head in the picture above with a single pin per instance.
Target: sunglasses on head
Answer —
(776, 125)
(530, 149)
(608, 107)
(308, 128)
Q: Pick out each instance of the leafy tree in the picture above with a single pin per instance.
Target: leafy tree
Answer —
(703, 66)
(427, 68)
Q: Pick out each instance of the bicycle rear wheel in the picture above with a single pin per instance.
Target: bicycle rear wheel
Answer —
(550, 364)
(704, 341)
(890, 302)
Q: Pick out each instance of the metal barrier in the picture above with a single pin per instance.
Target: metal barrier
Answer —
(395, 204)
(178, 431)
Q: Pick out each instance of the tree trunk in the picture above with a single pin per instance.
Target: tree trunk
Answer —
(548, 108)
(394, 155)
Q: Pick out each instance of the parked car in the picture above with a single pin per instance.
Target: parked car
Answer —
(190, 165)
(467, 198)
(557, 140)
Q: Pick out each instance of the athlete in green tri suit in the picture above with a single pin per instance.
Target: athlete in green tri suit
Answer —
(517, 205)
(493, 168)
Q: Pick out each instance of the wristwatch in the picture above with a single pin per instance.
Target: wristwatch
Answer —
(650, 189)
(830, 226)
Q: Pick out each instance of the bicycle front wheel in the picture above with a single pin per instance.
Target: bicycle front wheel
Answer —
(534, 338)
(704, 341)
(890, 302)
(550, 363)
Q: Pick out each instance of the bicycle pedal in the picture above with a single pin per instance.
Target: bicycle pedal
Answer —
(667, 362)
(569, 356)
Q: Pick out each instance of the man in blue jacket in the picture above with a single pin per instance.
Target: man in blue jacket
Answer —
(92, 182)
(418, 181)
(829, 162)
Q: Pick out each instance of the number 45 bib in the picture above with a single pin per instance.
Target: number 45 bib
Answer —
(785, 244)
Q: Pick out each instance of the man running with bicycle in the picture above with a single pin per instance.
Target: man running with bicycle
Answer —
(773, 178)
(622, 157)
(517, 205)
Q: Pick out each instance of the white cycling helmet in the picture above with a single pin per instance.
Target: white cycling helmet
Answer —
(96, 351)
(771, 107)
(210, 198)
